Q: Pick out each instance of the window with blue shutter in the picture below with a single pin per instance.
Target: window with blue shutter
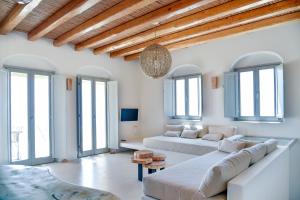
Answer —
(255, 93)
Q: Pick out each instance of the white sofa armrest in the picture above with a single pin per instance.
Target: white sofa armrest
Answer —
(267, 179)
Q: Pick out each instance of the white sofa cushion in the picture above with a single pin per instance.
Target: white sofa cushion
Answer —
(235, 137)
(203, 131)
(172, 133)
(230, 146)
(188, 133)
(271, 145)
(170, 127)
(213, 137)
(257, 152)
(216, 178)
(227, 131)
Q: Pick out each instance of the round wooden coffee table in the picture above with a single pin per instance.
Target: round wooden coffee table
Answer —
(148, 159)
(155, 165)
(142, 157)
(158, 157)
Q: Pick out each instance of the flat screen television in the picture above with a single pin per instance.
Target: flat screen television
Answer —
(129, 114)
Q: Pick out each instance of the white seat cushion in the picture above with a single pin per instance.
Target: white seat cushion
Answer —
(227, 131)
(182, 181)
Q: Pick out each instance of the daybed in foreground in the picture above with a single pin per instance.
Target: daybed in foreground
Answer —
(182, 181)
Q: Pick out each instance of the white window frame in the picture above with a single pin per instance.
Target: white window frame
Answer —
(256, 95)
(31, 133)
(187, 116)
(95, 150)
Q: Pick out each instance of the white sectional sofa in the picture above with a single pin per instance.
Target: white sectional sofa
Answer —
(267, 179)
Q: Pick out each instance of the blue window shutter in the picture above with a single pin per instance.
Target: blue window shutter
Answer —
(79, 120)
(169, 97)
(279, 92)
(231, 95)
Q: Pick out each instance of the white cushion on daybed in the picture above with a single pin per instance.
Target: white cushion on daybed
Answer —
(172, 133)
(181, 182)
(230, 146)
(257, 152)
(183, 145)
(190, 134)
(227, 131)
(216, 178)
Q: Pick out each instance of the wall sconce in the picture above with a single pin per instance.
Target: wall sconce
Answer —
(214, 82)
(69, 82)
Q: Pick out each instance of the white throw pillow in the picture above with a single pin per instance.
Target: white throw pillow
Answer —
(251, 143)
(271, 145)
(172, 133)
(227, 131)
(230, 146)
(216, 178)
(175, 128)
(235, 137)
(257, 152)
(191, 134)
(203, 131)
(213, 137)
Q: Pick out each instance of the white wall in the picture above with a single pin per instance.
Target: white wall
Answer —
(215, 58)
(16, 50)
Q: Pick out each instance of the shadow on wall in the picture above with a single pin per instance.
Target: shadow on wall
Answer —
(182, 70)
(256, 58)
(94, 71)
(29, 61)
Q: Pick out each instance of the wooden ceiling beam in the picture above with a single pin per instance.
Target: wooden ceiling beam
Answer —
(228, 32)
(226, 9)
(154, 17)
(67, 12)
(16, 15)
(268, 11)
(121, 9)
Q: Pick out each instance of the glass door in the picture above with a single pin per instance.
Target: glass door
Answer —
(100, 116)
(19, 130)
(30, 106)
(91, 107)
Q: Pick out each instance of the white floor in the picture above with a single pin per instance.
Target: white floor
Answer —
(109, 172)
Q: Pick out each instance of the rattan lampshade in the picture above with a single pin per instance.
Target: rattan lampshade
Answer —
(155, 61)
(23, 1)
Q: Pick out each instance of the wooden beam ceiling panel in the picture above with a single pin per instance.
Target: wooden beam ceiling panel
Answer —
(268, 11)
(123, 8)
(223, 10)
(228, 32)
(16, 15)
(67, 12)
(154, 17)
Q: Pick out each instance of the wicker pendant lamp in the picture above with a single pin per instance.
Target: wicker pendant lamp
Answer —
(155, 61)
(23, 1)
